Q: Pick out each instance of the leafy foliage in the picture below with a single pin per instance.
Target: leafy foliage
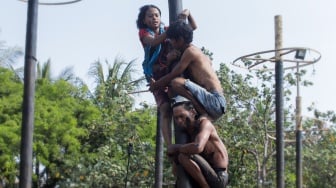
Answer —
(248, 128)
(10, 121)
(81, 137)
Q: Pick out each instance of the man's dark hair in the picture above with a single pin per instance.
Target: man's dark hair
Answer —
(180, 29)
(186, 105)
(142, 14)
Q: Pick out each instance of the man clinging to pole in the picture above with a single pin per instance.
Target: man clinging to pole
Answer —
(205, 158)
(203, 88)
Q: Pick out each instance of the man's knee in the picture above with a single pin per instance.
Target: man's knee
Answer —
(177, 82)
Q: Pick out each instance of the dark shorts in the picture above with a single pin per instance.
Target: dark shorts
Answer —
(216, 178)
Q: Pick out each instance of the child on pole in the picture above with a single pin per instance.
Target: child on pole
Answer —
(152, 34)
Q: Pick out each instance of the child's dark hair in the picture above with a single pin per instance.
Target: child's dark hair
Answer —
(180, 29)
(142, 14)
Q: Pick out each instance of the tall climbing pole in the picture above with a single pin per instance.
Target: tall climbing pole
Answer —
(183, 180)
(175, 6)
(26, 154)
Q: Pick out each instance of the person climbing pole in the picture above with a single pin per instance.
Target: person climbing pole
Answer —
(158, 57)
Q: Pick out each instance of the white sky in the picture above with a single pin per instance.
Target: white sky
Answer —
(76, 35)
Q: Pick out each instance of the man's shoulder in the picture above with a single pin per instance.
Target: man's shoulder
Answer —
(192, 47)
(205, 122)
(193, 50)
(190, 51)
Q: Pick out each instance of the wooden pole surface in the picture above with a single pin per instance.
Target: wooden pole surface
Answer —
(279, 103)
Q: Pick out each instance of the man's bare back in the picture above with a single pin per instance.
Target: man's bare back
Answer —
(200, 69)
(202, 86)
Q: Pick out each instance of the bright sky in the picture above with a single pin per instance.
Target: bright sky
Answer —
(76, 35)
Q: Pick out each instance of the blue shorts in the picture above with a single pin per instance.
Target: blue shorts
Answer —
(213, 102)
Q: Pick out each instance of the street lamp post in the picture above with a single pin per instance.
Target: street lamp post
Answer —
(28, 108)
(300, 54)
(282, 55)
(129, 152)
(26, 150)
(279, 104)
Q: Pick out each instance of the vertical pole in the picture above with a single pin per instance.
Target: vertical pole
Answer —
(183, 180)
(175, 7)
(158, 153)
(26, 155)
(129, 152)
(298, 132)
(279, 103)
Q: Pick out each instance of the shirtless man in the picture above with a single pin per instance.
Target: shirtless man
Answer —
(203, 88)
(205, 158)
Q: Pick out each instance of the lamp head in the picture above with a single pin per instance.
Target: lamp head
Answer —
(300, 54)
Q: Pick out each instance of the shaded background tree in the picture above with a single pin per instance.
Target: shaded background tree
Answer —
(81, 137)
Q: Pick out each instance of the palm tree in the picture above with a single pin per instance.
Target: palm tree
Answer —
(43, 71)
(113, 87)
(67, 74)
(9, 56)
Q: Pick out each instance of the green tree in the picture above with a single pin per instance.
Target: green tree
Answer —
(110, 167)
(9, 57)
(10, 121)
(63, 112)
(111, 90)
(248, 128)
(319, 149)
(118, 126)
(81, 138)
(44, 74)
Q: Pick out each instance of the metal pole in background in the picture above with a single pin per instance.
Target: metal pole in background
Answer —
(298, 132)
(26, 154)
(158, 153)
(129, 152)
(279, 103)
